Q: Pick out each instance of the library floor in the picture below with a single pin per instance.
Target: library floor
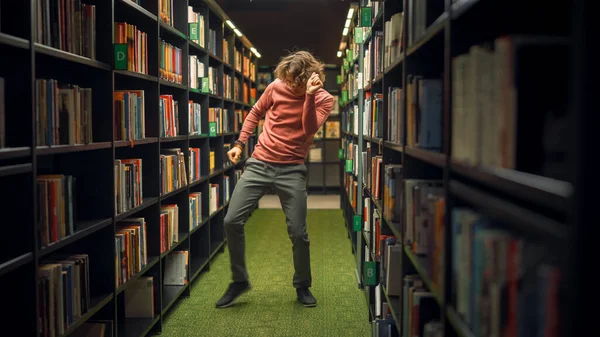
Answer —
(270, 308)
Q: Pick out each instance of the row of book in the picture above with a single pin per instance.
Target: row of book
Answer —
(197, 24)
(195, 211)
(129, 189)
(64, 291)
(168, 111)
(131, 248)
(227, 85)
(170, 66)
(196, 72)
(225, 120)
(169, 226)
(63, 113)
(225, 53)
(68, 25)
(135, 48)
(57, 206)
(173, 170)
(423, 99)
(165, 12)
(195, 167)
(130, 114)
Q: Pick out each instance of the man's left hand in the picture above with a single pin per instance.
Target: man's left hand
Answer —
(313, 84)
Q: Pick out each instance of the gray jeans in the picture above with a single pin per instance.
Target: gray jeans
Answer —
(289, 183)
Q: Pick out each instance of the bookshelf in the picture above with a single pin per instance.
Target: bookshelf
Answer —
(324, 173)
(452, 160)
(113, 157)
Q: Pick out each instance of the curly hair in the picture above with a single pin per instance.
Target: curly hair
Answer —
(299, 66)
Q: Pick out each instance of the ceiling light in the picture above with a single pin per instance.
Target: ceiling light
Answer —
(339, 53)
(347, 24)
(237, 32)
(230, 24)
(345, 32)
(350, 12)
(253, 50)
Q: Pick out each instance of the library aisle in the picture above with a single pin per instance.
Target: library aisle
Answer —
(271, 308)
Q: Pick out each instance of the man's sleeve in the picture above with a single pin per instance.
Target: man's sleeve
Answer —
(316, 110)
(257, 112)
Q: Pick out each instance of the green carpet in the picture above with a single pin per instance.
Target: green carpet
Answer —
(270, 308)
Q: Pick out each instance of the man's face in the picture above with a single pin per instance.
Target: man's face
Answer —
(299, 89)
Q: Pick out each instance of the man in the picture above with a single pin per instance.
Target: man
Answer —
(298, 106)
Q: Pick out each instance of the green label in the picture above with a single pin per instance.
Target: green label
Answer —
(205, 86)
(339, 79)
(340, 153)
(120, 56)
(358, 35)
(345, 95)
(370, 273)
(212, 129)
(349, 165)
(365, 17)
(194, 28)
(357, 222)
(346, 64)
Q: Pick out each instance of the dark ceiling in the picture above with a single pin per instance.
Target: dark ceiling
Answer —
(276, 26)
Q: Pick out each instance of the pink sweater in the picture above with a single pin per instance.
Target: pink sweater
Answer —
(289, 126)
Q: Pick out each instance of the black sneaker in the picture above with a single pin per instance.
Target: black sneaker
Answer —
(306, 297)
(233, 292)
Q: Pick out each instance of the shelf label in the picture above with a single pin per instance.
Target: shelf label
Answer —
(193, 29)
(212, 129)
(345, 96)
(340, 153)
(370, 273)
(357, 222)
(348, 165)
(349, 55)
(339, 79)
(365, 17)
(120, 56)
(346, 64)
(358, 35)
(205, 86)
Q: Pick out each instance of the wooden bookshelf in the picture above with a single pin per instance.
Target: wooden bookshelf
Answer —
(91, 142)
(519, 182)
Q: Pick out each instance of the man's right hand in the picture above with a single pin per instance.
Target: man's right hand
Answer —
(234, 154)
